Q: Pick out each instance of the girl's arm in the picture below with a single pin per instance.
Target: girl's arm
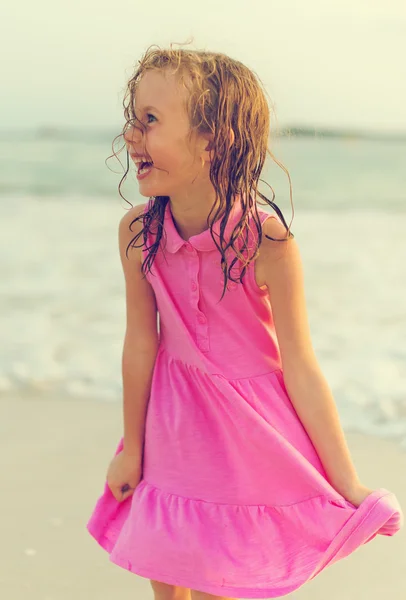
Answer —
(141, 338)
(279, 267)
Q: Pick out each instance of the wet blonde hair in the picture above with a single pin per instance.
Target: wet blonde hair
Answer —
(223, 95)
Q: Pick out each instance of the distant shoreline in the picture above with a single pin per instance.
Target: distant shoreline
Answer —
(50, 132)
(348, 134)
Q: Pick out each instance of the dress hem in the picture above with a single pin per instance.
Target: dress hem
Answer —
(214, 589)
(217, 590)
(352, 535)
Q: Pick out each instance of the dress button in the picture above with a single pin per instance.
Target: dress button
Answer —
(189, 247)
(194, 286)
(201, 319)
(232, 285)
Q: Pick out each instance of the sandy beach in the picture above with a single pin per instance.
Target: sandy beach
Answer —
(54, 457)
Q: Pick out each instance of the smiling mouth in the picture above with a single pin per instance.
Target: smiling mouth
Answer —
(147, 168)
(145, 165)
(142, 164)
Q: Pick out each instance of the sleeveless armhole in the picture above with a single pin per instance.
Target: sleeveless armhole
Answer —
(143, 249)
(250, 273)
(146, 209)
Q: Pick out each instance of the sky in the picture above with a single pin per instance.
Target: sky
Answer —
(324, 63)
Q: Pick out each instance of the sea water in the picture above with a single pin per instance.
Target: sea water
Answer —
(62, 296)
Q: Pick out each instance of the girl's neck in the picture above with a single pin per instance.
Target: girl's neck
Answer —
(190, 217)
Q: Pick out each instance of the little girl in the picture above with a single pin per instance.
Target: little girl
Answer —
(233, 478)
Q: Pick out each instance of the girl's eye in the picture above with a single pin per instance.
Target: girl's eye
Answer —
(150, 115)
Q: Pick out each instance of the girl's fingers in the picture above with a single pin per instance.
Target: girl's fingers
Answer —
(121, 492)
(123, 497)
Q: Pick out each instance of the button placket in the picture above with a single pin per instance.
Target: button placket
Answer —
(202, 329)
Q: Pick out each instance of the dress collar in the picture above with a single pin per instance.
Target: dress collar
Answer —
(201, 241)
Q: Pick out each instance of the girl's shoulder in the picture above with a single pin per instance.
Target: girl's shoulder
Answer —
(271, 225)
(271, 250)
(129, 227)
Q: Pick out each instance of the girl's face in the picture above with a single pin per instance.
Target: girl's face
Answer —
(160, 106)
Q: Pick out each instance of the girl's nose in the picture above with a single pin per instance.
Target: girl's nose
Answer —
(129, 134)
(133, 135)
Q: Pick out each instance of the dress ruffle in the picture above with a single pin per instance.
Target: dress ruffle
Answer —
(279, 547)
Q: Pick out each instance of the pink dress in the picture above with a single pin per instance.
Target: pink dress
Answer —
(234, 500)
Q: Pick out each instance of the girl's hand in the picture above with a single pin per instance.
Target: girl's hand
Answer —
(357, 495)
(123, 475)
